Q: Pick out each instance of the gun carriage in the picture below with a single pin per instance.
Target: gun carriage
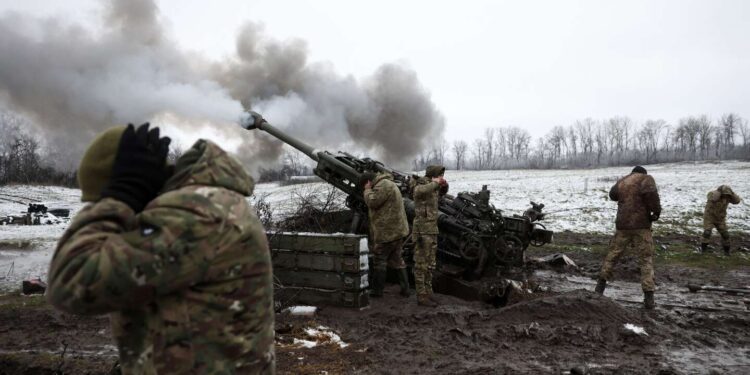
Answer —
(474, 235)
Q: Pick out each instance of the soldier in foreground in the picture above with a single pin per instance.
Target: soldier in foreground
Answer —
(176, 257)
(389, 228)
(715, 215)
(638, 206)
(425, 230)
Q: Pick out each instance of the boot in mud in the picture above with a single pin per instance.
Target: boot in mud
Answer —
(403, 281)
(600, 286)
(424, 300)
(726, 250)
(648, 300)
(378, 283)
(704, 248)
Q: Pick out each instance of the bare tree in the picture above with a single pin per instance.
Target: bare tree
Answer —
(459, 151)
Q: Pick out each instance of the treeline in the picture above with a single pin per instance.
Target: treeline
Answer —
(595, 143)
(23, 159)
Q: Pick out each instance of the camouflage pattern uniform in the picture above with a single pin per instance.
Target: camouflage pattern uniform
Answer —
(187, 282)
(388, 222)
(425, 233)
(638, 205)
(715, 213)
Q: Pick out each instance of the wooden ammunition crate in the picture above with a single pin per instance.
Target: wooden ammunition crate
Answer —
(323, 280)
(337, 243)
(319, 262)
(314, 296)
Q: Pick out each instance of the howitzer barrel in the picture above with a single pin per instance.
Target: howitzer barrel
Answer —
(256, 121)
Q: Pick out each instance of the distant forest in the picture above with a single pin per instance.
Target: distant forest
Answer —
(591, 143)
(26, 158)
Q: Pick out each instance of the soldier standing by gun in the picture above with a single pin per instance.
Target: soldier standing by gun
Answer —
(176, 257)
(715, 215)
(638, 205)
(389, 228)
(425, 230)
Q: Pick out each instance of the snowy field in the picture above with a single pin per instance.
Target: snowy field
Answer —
(576, 200)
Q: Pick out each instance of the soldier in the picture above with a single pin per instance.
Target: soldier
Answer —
(715, 215)
(174, 254)
(637, 206)
(425, 230)
(388, 227)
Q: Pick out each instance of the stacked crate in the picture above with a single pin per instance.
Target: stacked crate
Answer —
(320, 268)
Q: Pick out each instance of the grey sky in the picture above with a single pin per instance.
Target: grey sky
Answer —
(533, 64)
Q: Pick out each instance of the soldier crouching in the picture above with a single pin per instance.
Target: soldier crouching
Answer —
(175, 255)
(715, 216)
(638, 205)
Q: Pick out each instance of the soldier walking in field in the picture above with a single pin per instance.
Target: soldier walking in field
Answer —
(426, 193)
(638, 205)
(715, 216)
(174, 254)
(388, 228)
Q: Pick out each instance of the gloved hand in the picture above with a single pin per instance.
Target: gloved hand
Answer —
(140, 168)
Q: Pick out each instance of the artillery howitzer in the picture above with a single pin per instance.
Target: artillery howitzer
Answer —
(474, 235)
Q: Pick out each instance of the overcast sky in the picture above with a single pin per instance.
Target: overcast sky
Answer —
(534, 64)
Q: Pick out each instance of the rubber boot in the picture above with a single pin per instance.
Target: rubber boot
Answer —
(378, 283)
(601, 284)
(704, 247)
(726, 250)
(424, 300)
(403, 281)
(648, 300)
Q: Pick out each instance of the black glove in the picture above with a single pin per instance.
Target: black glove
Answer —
(140, 168)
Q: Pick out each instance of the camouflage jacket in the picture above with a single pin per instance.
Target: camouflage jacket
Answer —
(637, 198)
(425, 206)
(386, 210)
(717, 202)
(187, 282)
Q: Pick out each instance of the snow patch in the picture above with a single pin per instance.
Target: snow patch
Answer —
(636, 329)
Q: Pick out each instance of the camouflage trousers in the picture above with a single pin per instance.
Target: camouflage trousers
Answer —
(424, 261)
(721, 227)
(639, 240)
(388, 254)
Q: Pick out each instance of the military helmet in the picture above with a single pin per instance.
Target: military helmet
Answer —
(434, 171)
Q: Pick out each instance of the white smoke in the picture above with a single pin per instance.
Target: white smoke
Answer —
(74, 83)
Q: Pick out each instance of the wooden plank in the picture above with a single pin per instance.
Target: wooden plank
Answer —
(319, 262)
(339, 243)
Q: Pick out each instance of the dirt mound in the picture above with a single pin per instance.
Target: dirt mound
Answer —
(579, 306)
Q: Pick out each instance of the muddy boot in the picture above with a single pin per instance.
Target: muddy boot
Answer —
(378, 283)
(726, 250)
(424, 300)
(648, 300)
(600, 286)
(704, 247)
(403, 281)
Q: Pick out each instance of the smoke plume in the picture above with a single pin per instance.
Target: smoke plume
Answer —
(73, 83)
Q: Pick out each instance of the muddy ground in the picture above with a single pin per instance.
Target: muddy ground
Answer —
(565, 329)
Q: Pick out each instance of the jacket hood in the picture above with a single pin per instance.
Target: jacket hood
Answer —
(434, 170)
(382, 176)
(208, 164)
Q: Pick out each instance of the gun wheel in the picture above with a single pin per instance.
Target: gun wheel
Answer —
(472, 249)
